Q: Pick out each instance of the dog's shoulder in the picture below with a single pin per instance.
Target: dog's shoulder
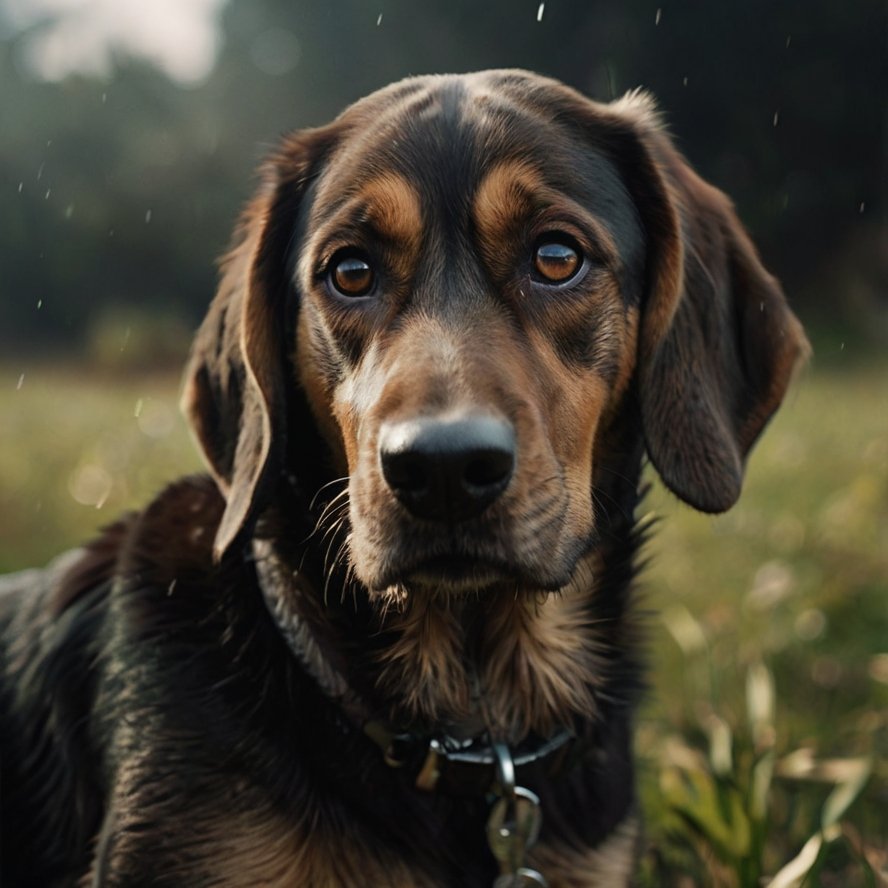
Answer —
(172, 537)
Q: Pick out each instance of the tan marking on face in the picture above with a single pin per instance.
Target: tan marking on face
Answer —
(385, 211)
(515, 193)
(312, 378)
(393, 205)
(505, 196)
(572, 402)
(609, 865)
(626, 362)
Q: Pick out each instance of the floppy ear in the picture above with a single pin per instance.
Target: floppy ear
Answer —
(718, 343)
(234, 397)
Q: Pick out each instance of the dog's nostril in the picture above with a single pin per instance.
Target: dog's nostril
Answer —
(405, 471)
(448, 470)
(489, 468)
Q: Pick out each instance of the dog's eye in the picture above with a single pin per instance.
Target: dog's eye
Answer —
(351, 276)
(556, 261)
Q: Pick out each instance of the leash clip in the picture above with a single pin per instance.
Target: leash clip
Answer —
(513, 826)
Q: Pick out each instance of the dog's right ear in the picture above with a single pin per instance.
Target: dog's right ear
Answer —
(233, 395)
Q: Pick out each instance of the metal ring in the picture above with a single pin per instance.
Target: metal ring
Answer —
(505, 768)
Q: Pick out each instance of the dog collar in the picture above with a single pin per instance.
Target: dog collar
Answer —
(437, 762)
(466, 767)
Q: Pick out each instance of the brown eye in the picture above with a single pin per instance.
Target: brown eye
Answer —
(351, 276)
(556, 261)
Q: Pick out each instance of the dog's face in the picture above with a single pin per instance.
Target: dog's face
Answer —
(486, 272)
(469, 281)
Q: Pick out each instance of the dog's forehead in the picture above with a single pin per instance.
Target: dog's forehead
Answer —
(443, 134)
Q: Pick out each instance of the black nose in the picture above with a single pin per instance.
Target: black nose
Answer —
(447, 469)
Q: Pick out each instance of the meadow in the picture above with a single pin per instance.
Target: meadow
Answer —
(763, 742)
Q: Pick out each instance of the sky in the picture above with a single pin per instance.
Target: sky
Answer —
(62, 37)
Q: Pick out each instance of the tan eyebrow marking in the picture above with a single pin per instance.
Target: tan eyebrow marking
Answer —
(388, 205)
(506, 194)
(393, 206)
(509, 194)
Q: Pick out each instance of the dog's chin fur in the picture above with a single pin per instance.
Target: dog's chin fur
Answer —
(477, 587)
(457, 575)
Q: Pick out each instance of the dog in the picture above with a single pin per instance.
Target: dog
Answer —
(390, 639)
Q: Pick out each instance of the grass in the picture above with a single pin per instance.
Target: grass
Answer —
(764, 741)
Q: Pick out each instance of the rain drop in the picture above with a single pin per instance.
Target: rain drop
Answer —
(684, 81)
(104, 98)
(20, 383)
(788, 40)
(147, 216)
(21, 185)
(776, 117)
(138, 411)
(40, 171)
(862, 203)
(39, 304)
(69, 211)
(48, 192)
(540, 11)
(379, 20)
(658, 16)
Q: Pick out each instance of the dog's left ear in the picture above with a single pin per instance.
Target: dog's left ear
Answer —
(234, 395)
(718, 343)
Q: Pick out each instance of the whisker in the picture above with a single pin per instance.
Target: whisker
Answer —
(323, 487)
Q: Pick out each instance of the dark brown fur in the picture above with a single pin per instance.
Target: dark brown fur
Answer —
(158, 729)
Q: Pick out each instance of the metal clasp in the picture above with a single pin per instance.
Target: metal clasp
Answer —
(513, 825)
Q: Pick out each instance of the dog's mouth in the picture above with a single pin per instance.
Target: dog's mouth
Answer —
(460, 575)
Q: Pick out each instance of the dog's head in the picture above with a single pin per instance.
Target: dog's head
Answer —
(485, 271)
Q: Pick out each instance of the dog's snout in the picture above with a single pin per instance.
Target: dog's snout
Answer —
(447, 469)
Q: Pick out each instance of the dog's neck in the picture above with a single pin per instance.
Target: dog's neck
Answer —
(498, 663)
(495, 665)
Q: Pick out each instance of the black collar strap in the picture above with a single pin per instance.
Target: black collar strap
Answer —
(439, 762)
(467, 768)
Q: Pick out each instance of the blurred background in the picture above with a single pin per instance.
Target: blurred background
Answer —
(129, 134)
